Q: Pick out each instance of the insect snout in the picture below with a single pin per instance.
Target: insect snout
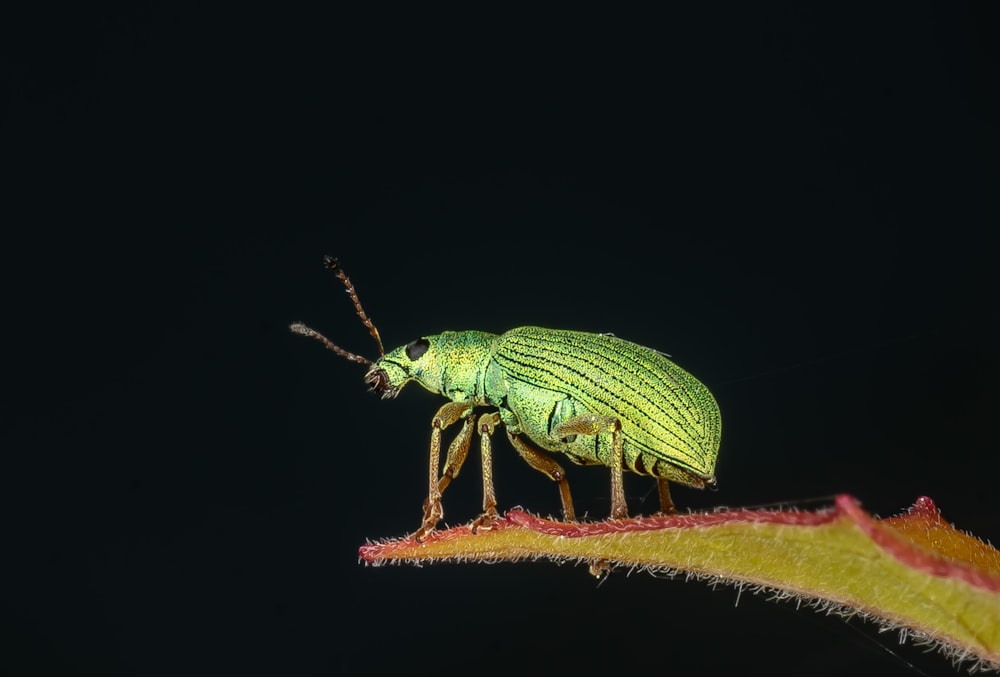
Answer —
(378, 381)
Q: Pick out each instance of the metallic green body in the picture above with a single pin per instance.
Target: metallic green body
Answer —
(538, 378)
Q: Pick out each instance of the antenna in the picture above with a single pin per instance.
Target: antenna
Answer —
(333, 264)
(300, 328)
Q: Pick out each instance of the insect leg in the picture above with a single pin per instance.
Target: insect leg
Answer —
(446, 415)
(543, 464)
(666, 503)
(592, 424)
(457, 452)
(487, 426)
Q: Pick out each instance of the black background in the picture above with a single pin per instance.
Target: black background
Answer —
(797, 203)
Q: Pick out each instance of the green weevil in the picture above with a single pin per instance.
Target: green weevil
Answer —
(596, 398)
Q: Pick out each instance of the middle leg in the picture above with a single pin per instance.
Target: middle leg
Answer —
(593, 424)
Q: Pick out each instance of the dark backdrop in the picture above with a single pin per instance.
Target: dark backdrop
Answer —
(798, 204)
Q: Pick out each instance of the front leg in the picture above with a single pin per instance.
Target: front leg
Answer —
(458, 450)
(433, 512)
(487, 425)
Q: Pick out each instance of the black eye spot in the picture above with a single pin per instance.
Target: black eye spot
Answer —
(416, 348)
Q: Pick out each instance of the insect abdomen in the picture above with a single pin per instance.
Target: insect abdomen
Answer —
(667, 415)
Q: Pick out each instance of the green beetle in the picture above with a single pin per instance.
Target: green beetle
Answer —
(596, 398)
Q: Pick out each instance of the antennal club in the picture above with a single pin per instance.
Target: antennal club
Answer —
(333, 264)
